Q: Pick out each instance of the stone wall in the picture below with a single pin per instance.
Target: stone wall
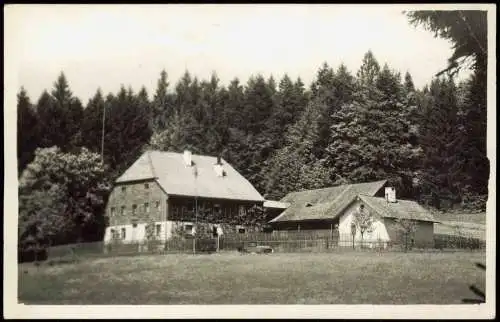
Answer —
(150, 203)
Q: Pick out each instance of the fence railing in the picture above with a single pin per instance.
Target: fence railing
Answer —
(279, 242)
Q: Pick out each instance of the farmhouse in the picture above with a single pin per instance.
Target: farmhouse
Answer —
(158, 195)
(334, 208)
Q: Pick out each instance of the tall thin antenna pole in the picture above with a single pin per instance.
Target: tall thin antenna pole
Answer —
(195, 209)
(102, 138)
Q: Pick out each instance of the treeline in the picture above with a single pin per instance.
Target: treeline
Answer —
(282, 135)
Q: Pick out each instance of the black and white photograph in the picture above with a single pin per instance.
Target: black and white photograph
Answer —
(249, 161)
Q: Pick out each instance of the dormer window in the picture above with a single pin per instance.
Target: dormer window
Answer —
(308, 204)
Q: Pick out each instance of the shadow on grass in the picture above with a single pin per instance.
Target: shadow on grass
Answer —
(476, 291)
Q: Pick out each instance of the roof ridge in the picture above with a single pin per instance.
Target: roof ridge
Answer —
(181, 153)
(340, 185)
(153, 171)
(398, 199)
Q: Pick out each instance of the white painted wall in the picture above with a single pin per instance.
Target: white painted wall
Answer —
(140, 232)
(167, 231)
(379, 232)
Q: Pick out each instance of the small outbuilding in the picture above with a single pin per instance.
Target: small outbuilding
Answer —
(335, 208)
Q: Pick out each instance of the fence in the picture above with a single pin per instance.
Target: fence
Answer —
(280, 242)
(97, 249)
(294, 241)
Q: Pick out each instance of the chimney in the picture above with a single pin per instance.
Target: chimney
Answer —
(219, 170)
(390, 194)
(188, 158)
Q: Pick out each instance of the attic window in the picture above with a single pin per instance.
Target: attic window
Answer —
(308, 204)
(146, 186)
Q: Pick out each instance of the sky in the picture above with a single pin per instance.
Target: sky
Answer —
(107, 46)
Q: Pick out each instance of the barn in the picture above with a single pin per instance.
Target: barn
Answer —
(334, 209)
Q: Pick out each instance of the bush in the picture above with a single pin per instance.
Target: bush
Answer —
(458, 242)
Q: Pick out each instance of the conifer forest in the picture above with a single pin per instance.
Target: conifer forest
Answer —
(282, 135)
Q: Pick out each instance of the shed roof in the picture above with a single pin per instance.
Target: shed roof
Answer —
(176, 178)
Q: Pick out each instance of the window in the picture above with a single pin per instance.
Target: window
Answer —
(157, 205)
(146, 207)
(124, 189)
(134, 225)
(134, 208)
(158, 230)
(146, 186)
(113, 233)
(241, 230)
(242, 210)
(188, 229)
(112, 211)
(122, 210)
(217, 208)
(124, 233)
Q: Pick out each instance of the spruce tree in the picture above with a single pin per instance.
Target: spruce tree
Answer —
(27, 130)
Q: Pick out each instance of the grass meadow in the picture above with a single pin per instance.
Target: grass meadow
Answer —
(233, 278)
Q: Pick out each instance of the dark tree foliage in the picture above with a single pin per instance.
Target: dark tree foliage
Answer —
(281, 136)
(466, 29)
(28, 129)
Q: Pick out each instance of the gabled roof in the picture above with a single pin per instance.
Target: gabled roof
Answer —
(176, 178)
(326, 203)
(401, 209)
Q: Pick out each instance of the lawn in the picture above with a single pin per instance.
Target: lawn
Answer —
(465, 224)
(231, 278)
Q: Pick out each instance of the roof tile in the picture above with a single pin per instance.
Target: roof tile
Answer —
(176, 178)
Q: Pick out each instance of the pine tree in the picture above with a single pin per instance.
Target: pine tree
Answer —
(92, 122)
(27, 130)
(408, 85)
(127, 129)
(295, 166)
(369, 70)
(441, 140)
(259, 105)
(370, 136)
(162, 105)
(473, 115)
(50, 118)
